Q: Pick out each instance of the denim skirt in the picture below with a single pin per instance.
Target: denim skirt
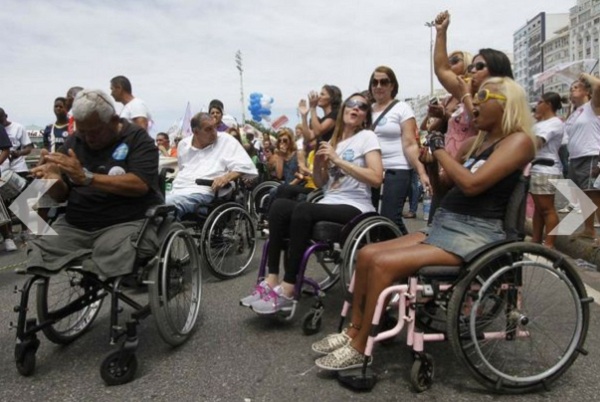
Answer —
(462, 234)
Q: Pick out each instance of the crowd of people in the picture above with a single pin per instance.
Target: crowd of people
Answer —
(364, 151)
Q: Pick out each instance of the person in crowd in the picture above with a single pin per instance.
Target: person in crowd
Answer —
(5, 146)
(470, 216)
(234, 132)
(21, 147)
(396, 128)
(207, 154)
(303, 183)
(462, 85)
(215, 109)
(71, 93)
(415, 191)
(134, 109)
(164, 145)
(549, 133)
(347, 167)
(286, 161)
(583, 129)
(54, 136)
(108, 172)
(329, 101)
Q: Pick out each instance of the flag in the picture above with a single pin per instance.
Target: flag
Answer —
(186, 128)
(279, 122)
(565, 72)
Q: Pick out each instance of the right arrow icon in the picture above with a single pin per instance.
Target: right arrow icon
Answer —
(570, 223)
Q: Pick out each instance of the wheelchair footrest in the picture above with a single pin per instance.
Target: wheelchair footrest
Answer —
(356, 380)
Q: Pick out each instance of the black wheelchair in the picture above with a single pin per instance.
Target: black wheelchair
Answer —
(224, 231)
(68, 301)
(515, 313)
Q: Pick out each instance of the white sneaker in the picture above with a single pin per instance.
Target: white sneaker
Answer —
(566, 209)
(9, 245)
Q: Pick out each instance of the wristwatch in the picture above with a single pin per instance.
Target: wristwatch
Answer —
(89, 176)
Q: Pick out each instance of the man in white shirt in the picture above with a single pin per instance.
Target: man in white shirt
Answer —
(21, 146)
(134, 109)
(206, 154)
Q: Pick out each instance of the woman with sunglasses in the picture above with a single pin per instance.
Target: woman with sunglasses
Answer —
(329, 100)
(462, 86)
(396, 130)
(286, 162)
(549, 134)
(583, 130)
(469, 217)
(346, 167)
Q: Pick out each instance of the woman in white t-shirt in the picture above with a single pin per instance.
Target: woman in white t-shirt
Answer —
(549, 133)
(583, 129)
(346, 167)
(397, 134)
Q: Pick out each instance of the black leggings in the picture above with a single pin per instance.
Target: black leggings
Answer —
(294, 220)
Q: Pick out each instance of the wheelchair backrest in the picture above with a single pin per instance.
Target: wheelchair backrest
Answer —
(514, 220)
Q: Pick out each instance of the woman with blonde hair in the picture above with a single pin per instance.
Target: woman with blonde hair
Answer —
(470, 216)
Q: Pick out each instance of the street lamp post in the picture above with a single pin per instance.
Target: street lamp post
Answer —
(238, 65)
(430, 25)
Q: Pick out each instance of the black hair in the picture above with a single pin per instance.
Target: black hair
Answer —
(123, 82)
(61, 99)
(553, 99)
(215, 103)
(335, 95)
(498, 63)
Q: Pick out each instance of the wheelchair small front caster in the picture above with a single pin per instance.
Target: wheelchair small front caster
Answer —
(421, 374)
(118, 368)
(25, 362)
(311, 323)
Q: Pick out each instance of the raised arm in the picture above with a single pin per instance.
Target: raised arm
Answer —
(595, 84)
(443, 70)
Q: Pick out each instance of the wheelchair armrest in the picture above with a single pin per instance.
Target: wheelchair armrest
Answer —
(204, 182)
(160, 210)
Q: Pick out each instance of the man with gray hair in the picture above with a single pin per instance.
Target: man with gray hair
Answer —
(108, 173)
(206, 154)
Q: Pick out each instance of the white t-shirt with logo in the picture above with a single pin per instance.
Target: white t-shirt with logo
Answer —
(583, 129)
(225, 155)
(342, 188)
(136, 108)
(389, 133)
(19, 139)
(551, 131)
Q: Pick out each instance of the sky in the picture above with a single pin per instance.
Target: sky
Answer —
(181, 51)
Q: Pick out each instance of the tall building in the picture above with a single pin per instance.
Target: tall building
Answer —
(556, 51)
(527, 46)
(585, 30)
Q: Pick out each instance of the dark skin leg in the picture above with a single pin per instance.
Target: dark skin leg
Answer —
(545, 216)
(379, 265)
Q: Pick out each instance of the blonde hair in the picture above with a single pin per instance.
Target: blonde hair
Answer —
(516, 117)
(467, 59)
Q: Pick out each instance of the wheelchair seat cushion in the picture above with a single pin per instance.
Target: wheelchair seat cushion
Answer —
(327, 231)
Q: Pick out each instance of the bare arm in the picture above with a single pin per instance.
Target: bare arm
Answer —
(514, 152)
(411, 150)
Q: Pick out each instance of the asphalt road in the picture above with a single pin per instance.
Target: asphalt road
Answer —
(237, 356)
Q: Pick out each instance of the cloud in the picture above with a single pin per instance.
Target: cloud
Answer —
(179, 51)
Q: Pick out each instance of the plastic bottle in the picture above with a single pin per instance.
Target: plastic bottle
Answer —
(426, 205)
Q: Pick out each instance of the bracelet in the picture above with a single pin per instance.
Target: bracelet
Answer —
(464, 96)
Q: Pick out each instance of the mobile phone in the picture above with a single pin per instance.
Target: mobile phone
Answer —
(434, 101)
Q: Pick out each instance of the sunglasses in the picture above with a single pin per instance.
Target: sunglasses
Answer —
(352, 103)
(485, 95)
(454, 60)
(285, 140)
(480, 65)
(384, 82)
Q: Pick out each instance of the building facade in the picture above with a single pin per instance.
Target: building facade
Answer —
(584, 19)
(556, 50)
(527, 48)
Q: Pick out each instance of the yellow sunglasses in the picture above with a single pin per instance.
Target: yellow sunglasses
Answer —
(484, 95)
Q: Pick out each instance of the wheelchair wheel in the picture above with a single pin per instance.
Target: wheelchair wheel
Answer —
(324, 268)
(519, 319)
(56, 292)
(260, 198)
(118, 368)
(175, 287)
(373, 229)
(315, 195)
(228, 241)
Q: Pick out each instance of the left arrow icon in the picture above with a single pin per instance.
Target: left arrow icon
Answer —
(22, 207)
